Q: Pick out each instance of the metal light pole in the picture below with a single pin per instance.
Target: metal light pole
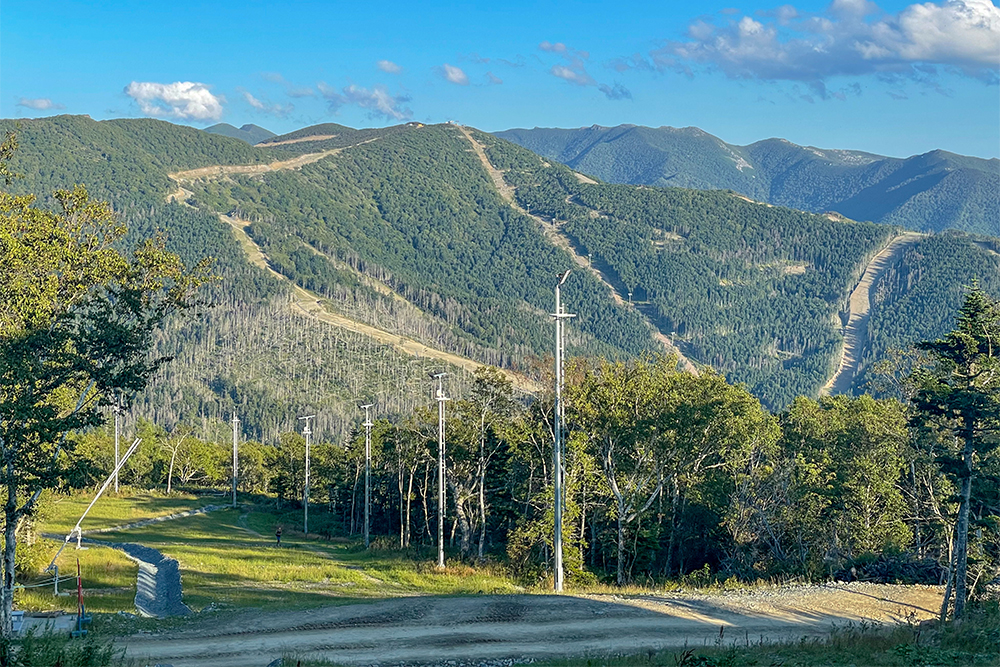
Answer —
(557, 465)
(236, 460)
(118, 411)
(441, 398)
(305, 489)
(368, 469)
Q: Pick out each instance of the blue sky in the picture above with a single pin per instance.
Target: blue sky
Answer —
(895, 78)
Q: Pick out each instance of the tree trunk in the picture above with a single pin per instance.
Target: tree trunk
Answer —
(402, 522)
(962, 530)
(423, 500)
(482, 483)
(463, 520)
(621, 544)
(9, 549)
(409, 504)
(482, 509)
(170, 472)
(354, 498)
(675, 497)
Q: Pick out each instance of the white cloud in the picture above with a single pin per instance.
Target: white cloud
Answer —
(39, 104)
(280, 110)
(454, 75)
(183, 100)
(377, 100)
(574, 70)
(853, 37)
(389, 67)
(574, 73)
(493, 79)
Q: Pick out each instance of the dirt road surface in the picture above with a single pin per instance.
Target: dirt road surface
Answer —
(433, 630)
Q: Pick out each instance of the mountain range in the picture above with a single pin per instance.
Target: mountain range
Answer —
(926, 193)
(355, 261)
(250, 133)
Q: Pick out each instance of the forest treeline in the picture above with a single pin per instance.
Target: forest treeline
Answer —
(667, 475)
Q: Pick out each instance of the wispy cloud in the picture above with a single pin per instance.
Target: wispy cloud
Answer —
(454, 75)
(39, 104)
(279, 110)
(389, 67)
(377, 101)
(291, 89)
(183, 100)
(615, 92)
(493, 79)
(851, 37)
(573, 69)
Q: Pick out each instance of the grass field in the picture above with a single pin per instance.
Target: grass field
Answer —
(109, 577)
(62, 512)
(228, 559)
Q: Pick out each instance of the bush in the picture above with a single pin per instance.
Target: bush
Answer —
(891, 569)
(58, 650)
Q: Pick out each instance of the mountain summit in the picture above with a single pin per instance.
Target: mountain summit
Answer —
(928, 193)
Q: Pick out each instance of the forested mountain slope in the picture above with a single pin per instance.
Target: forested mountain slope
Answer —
(404, 229)
(250, 133)
(930, 192)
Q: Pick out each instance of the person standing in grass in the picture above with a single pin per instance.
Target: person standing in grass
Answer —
(277, 535)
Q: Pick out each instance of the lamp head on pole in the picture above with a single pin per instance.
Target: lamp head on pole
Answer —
(305, 429)
(562, 277)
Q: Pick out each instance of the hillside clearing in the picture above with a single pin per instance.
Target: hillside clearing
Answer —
(560, 240)
(859, 306)
(312, 305)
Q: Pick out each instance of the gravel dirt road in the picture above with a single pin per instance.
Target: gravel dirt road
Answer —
(434, 630)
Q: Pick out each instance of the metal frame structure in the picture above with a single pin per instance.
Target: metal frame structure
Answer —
(236, 459)
(368, 469)
(557, 428)
(117, 409)
(441, 399)
(307, 432)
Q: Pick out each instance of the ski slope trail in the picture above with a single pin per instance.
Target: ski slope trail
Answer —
(860, 312)
(312, 306)
(303, 300)
(463, 630)
(555, 236)
(223, 170)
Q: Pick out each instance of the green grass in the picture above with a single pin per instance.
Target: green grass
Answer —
(226, 564)
(63, 511)
(109, 579)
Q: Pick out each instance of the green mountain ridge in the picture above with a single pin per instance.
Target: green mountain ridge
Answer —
(929, 192)
(250, 133)
(403, 228)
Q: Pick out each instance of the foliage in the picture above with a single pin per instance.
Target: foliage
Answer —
(958, 396)
(76, 315)
(54, 650)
